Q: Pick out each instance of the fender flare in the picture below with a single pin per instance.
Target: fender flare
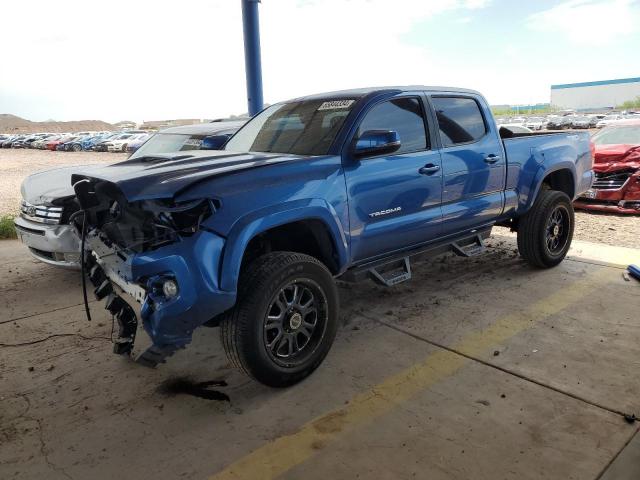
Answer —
(542, 173)
(259, 221)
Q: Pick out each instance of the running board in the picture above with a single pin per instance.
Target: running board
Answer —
(396, 269)
(391, 274)
(469, 249)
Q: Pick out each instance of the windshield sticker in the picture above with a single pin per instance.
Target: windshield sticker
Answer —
(336, 104)
(193, 142)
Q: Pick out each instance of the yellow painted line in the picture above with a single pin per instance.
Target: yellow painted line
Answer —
(280, 455)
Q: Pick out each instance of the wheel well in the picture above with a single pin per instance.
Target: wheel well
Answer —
(310, 237)
(562, 181)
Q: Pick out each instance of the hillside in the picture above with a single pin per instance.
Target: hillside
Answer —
(13, 124)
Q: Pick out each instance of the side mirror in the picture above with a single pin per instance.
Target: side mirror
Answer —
(376, 142)
(214, 142)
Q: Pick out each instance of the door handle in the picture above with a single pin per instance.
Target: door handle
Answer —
(429, 169)
(492, 158)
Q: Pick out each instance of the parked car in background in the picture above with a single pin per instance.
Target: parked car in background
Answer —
(580, 121)
(99, 145)
(9, 141)
(53, 143)
(72, 145)
(609, 119)
(120, 144)
(134, 145)
(558, 123)
(62, 146)
(534, 123)
(593, 120)
(48, 199)
(88, 142)
(188, 137)
(617, 170)
(120, 138)
(24, 142)
(40, 143)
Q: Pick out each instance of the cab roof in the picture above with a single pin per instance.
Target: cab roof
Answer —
(363, 92)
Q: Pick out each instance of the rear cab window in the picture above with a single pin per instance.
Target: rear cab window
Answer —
(404, 115)
(460, 120)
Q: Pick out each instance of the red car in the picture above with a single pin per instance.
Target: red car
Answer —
(617, 167)
(53, 144)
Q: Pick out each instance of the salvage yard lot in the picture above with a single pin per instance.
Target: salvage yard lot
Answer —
(478, 368)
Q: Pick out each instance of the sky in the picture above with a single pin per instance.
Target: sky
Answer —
(150, 60)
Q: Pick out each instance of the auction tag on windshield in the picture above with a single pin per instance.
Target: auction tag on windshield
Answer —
(336, 104)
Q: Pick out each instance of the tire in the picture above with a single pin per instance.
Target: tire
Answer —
(124, 148)
(545, 232)
(76, 148)
(263, 328)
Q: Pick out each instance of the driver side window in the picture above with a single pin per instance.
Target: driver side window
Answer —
(405, 116)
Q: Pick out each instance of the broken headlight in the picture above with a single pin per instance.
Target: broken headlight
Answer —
(183, 218)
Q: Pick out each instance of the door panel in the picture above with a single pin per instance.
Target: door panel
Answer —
(473, 165)
(392, 205)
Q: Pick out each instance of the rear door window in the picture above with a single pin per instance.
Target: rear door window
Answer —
(459, 120)
(405, 116)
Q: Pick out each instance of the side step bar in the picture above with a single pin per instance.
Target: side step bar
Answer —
(470, 249)
(396, 269)
(393, 275)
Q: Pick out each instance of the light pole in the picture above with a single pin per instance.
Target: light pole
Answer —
(252, 60)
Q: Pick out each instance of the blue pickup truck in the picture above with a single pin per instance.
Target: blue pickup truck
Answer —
(345, 185)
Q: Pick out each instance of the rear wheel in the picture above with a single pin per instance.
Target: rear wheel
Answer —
(285, 318)
(76, 147)
(546, 231)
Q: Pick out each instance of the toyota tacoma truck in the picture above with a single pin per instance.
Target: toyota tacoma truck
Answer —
(339, 186)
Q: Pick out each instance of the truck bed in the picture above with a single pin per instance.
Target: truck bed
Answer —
(530, 154)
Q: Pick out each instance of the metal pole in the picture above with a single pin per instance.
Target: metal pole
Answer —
(252, 61)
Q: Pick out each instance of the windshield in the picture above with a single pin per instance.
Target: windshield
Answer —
(169, 142)
(300, 128)
(627, 135)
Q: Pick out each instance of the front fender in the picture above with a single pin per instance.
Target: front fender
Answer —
(259, 221)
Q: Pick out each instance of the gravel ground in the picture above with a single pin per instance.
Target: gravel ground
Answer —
(15, 165)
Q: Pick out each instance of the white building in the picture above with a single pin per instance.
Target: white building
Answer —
(592, 95)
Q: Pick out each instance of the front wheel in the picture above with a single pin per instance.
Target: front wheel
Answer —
(545, 232)
(285, 318)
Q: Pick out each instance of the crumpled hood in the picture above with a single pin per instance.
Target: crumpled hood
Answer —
(167, 175)
(611, 158)
(44, 187)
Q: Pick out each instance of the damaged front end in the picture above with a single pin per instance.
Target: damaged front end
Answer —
(616, 188)
(151, 251)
